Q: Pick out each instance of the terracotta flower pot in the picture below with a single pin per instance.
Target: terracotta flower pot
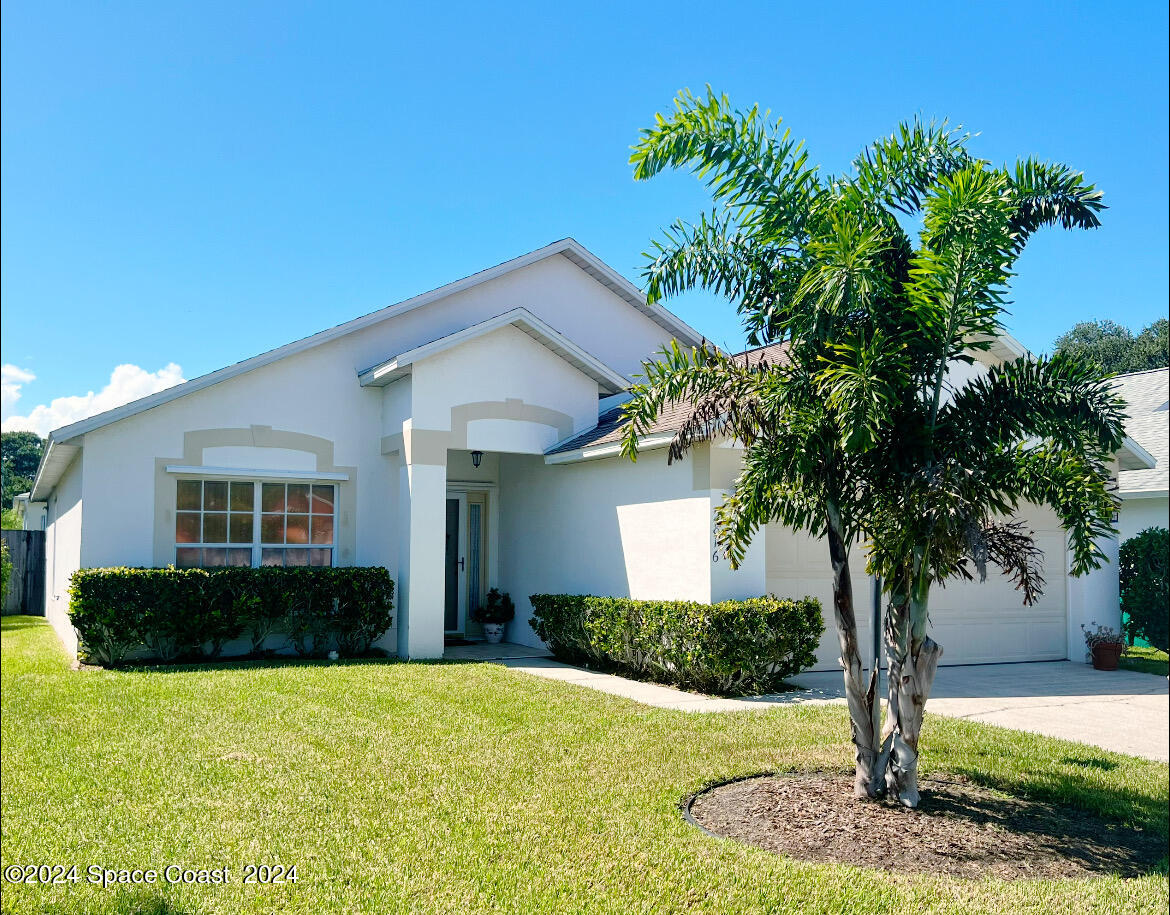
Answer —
(1106, 656)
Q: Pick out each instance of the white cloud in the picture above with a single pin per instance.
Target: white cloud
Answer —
(11, 379)
(127, 383)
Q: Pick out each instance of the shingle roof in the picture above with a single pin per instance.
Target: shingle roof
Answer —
(1147, 395)
(612, 423)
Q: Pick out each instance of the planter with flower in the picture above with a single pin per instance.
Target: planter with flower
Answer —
(1105, 644)
(495, 612)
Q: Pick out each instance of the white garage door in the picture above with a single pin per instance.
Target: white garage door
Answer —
(975, 622)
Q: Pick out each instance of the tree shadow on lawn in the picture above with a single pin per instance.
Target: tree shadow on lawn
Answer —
(1073, 781)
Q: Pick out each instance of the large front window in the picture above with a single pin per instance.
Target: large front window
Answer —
(251, 523)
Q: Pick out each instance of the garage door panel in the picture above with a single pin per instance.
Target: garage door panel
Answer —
(975, 622)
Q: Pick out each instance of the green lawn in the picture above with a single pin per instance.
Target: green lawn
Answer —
(1146, 660)
(461, 788)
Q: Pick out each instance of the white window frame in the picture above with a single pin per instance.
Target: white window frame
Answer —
(256, 546)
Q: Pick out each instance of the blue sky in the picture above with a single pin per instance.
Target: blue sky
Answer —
(185, 185)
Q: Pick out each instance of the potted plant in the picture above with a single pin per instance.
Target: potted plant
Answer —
(497, 610)
(1105, 644)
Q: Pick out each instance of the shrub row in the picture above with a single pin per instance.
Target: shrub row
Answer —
(736, 647)
(1145, 594)
(193, 613)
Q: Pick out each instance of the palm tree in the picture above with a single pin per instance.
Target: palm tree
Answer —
(852, 430)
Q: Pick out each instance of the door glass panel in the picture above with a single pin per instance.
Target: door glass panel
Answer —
(474, 540)
(451, 604)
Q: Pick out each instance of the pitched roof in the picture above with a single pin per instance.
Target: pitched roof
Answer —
(567, 247)
(1147, 396)
(56, 457)
(606, 436)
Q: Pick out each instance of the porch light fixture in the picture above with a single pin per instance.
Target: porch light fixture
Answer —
(476, 457)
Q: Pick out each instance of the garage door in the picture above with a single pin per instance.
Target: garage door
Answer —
(975, 622)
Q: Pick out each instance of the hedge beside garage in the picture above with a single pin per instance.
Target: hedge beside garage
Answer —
(736, 647)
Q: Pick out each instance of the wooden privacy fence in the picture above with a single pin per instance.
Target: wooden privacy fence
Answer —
(26, 587)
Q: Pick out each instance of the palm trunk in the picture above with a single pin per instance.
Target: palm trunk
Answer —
(861, 697)
(912, 659)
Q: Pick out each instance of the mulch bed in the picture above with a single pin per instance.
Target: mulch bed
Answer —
(959, 829)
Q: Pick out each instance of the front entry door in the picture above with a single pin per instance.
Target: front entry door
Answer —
(455, 607)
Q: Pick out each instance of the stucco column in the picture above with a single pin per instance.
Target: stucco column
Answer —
(422, 541)
(1094, 598)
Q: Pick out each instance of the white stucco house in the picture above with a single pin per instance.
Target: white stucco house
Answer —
(1145, 494)
(468, 438)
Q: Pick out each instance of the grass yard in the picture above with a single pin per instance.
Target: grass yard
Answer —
(1146, 660)
(462, 788)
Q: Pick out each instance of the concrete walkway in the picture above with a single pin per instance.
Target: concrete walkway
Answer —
(1117, 710)
(658, 696)
(1120, 710)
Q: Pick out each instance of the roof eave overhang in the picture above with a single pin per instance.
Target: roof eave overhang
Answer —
(1132, 456)
(55, 461)
(608, 450)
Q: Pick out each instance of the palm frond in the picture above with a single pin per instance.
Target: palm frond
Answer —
(900, 169)
(744, 158)
(1045, 194)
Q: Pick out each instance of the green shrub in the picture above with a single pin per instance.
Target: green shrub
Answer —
(193, 613)
(735, 647)
(1144, 596)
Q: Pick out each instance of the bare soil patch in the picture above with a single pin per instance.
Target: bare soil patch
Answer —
(959, 829)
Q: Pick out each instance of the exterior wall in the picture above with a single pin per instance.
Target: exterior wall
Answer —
(308, 401)
(607, 527)
(1094, 599)
(63, 547)
(488, 373)
(1138, 514)
(500, 392)
(314, 394)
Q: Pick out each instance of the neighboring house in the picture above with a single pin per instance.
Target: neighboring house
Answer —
(1145, 494)
(468, 438)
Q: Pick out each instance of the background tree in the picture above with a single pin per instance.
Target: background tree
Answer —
(852, 429)
(1145, 586)
(1115, 349)
(20, 454)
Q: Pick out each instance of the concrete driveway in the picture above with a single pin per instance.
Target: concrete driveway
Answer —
(1120, 710)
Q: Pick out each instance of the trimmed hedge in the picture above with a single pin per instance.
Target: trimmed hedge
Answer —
(193, 613)
(1145, 595)
(736, 647)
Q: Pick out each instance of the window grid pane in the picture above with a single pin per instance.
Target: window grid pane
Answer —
(211, 514)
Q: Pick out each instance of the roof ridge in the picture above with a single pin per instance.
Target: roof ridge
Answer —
(1163, 368)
